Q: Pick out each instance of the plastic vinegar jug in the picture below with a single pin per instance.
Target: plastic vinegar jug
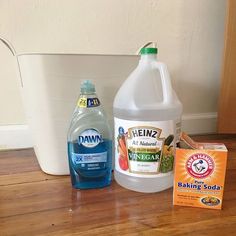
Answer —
(147, 123)
(89, 142)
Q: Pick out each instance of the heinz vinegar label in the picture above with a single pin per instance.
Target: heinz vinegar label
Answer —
(144, 148)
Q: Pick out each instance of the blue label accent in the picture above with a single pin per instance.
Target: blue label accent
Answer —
(90, 161)
(93, 102)
(89, 158)
(121, 130)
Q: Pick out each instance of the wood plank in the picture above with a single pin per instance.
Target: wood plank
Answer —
(228, 140)
(40, 196)
(25, 177)
(123, 216)
(212, 227)
(34, 197)
(78, 211)
(33, 203)
(18, 161)
(227, 101)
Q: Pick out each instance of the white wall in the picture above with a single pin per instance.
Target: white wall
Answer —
(190, 36)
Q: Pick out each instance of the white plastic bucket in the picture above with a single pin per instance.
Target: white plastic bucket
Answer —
(50, 86)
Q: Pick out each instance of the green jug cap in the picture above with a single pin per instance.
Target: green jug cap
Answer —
(144, 51)
(87, 87)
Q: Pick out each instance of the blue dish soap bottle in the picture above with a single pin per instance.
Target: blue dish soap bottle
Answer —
(89, 142)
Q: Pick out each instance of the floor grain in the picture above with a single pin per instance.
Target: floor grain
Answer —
(34, 203)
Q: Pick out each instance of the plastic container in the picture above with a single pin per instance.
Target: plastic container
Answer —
(89, 142)
(147, 115)
(49, 87)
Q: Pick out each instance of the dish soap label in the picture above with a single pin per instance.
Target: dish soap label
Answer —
(144, 147)
(91, 151)
(90, 138)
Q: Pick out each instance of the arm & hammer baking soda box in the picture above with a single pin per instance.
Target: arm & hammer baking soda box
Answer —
(199, 174)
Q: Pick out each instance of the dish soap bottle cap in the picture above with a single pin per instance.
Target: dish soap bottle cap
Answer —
(87, 87)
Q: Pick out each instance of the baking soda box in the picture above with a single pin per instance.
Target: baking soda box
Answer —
(200, 175)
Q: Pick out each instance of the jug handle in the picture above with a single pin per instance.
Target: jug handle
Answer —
(165, 81)
(13, 51)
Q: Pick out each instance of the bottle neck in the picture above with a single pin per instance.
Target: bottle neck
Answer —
(88, 95)
(148, 58)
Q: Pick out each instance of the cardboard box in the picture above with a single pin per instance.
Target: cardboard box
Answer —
(200, 176)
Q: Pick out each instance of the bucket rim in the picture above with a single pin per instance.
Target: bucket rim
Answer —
(74, 54)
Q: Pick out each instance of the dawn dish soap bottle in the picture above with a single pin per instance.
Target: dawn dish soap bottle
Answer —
(147, 116)
(89, 142)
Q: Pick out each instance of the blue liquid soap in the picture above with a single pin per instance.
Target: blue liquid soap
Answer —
(89, 142)
(90, 175)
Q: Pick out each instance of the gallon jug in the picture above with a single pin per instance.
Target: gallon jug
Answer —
(89, 142)
(147, 116)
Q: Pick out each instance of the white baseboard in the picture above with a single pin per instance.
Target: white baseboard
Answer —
(200, 123)
(15, 137)
(18, 136)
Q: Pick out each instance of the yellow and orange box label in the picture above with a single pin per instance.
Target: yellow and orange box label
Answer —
(200, 176)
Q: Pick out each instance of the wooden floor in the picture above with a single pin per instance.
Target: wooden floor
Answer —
(33, 203)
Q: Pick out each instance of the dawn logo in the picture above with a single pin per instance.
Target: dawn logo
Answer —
(200, 165)
(90, 138)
